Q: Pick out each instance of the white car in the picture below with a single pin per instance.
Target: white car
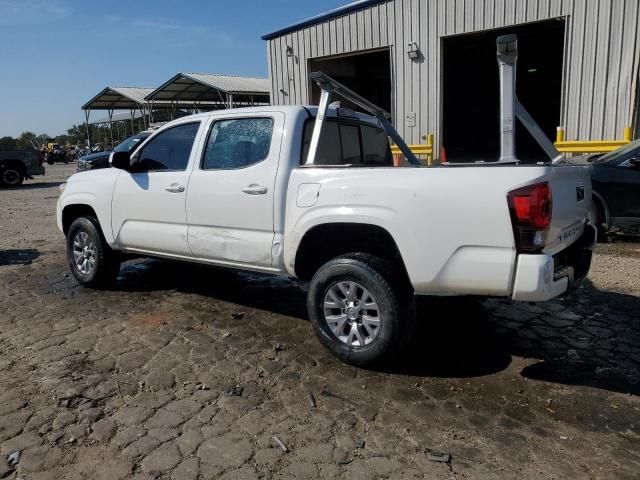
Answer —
(235, 188)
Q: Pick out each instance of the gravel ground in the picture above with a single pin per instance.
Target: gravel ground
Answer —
(136, 381)
(617, 265)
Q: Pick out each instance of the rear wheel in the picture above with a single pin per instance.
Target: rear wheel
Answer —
(90, 259)
(361, 310)
(11, 176)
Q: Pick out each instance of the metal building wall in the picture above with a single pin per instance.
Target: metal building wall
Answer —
(602, 48)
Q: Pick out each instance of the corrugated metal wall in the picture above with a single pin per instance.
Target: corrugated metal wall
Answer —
(601, 55)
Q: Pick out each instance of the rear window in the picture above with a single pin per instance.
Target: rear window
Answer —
(344, 142)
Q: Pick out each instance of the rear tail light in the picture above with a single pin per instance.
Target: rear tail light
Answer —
(530, 209)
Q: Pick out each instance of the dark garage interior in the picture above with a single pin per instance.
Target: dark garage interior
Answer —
(471, 88)
(368, 74)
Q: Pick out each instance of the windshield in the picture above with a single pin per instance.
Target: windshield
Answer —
(619, 153)
(130, 143)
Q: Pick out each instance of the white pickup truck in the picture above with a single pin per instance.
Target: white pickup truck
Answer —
(313, 193)
(233, 188)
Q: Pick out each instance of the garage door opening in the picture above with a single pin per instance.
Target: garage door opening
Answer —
(471, 112)
(368, 74)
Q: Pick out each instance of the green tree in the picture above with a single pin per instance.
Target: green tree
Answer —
(26, 141)
(77, 134)
(7, 143)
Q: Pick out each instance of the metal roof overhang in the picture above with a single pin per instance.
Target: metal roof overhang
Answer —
(323, 17)
(118, 98)
(117, 117)
(184, 88)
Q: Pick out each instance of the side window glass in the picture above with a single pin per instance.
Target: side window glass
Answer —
(238, 143)
(350, 144)
(329, 151)
(170, 150)
(375, 147)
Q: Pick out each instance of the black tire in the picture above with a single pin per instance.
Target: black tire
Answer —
(106, 262)
(11, 176)
(50, 161)
(391, 292)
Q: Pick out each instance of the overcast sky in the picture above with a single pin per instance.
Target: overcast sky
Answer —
(57, 54)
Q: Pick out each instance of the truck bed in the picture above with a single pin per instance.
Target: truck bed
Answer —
(451, 225)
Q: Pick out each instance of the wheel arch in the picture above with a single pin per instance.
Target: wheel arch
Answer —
(17, 164)
(344, 237)
(602, 207)
(76, 210)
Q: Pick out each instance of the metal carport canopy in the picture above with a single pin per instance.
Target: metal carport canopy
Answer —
(190, 88)
(119, 98)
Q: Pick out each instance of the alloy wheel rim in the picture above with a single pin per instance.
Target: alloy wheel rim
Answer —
(84, 255)
(352, 313)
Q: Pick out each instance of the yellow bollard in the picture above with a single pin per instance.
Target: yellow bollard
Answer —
(559, 134)
(430, 155)
(627, 134)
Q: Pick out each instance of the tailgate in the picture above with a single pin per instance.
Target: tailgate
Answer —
(571, 196)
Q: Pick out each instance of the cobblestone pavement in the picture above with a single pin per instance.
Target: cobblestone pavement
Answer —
(138, 381)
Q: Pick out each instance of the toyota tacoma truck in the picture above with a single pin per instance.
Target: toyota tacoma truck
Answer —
(313, 193)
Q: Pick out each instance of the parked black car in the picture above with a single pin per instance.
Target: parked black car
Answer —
(16, 165)
(93, 161)
(616, 190)
(101, 159)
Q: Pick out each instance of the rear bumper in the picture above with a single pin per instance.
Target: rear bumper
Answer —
(541, 277)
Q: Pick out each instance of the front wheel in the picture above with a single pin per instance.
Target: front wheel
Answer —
(11, 177)
(361, 310)
(90, 259)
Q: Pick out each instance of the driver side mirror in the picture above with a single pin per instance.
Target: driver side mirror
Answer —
(121, 160)
(634, 162)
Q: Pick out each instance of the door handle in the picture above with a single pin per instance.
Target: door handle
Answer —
(254, 189)
(174, 188)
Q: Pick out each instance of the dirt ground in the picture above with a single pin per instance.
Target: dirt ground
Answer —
(138, 381)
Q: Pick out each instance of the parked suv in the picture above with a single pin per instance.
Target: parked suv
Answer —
(16, 165)
(98, 160)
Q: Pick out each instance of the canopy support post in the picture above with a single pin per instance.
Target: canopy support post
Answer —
(111, 125)
(87, 112)
(150, 109)
(133, 114)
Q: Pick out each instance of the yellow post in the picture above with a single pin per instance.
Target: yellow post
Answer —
(559, 134)
(430, 155)
(627, 134)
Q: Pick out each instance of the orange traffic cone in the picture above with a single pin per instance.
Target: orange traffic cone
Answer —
(443, 155)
